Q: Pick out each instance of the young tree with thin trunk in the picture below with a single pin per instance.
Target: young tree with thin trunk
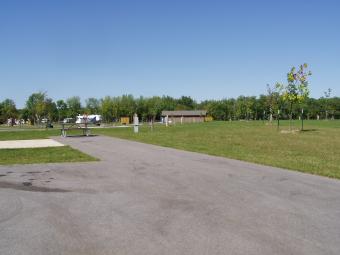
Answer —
(273, 99)
(296, 91)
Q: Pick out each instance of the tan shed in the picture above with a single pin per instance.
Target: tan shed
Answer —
(185, 116)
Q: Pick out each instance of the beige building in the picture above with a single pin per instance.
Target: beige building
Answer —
(184, 116)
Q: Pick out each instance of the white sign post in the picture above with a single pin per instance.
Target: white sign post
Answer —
(135, 123)
(166, 119)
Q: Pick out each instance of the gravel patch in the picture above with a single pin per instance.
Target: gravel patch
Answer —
(36, 143)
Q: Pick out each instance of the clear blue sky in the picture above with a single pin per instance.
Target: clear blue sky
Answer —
(204, 49)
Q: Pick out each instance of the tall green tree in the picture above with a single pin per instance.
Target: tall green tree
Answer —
(185, 103)
(92, 105)
(127, 106)
(74, 106)
(141, 104)
(8, 110)
(62, 109)
(51, 111)
(168, 103)
(216, 109)
(24, 114)
(154, 108)
(35, 105)
(107, 109)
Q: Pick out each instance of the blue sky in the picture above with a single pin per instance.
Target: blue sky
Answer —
(204, 49)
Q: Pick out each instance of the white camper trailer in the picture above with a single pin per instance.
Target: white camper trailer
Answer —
(89, 119)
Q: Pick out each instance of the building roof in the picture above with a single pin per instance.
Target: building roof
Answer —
(185, 113)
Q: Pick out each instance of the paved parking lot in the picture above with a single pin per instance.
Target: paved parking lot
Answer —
(145, 199)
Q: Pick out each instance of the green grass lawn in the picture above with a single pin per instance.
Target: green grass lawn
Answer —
(316, 150)
(38, 155)
(27, 134)
(15, 133)
(42, 155)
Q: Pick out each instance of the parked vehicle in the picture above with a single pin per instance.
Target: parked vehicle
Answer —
(68, 120)
(91, 119)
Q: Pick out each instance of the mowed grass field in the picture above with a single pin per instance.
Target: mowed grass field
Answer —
(42, 155)
(315, 150)
(27, 134)
(38, 155)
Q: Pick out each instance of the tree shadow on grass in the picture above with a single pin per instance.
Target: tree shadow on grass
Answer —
(309, 130)
(297, 131)
(79, 136)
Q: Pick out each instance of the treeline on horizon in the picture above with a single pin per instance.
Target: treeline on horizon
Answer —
(39, 106)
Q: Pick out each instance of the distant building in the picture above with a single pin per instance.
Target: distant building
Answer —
(184, 116)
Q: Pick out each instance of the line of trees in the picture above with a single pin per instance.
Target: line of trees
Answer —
(39, 106)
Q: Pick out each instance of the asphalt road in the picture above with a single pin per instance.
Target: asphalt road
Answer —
(143, 199)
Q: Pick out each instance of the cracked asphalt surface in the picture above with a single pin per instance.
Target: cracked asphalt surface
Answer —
(144, 199)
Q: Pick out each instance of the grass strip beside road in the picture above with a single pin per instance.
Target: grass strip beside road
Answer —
(42, 155)
(21, 134)
(28, 134)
